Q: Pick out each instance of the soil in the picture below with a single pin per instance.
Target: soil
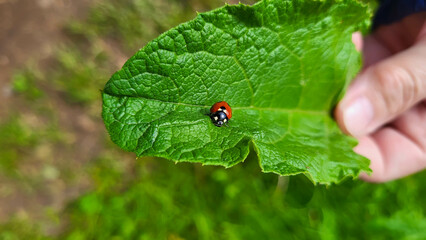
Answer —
(29, 32)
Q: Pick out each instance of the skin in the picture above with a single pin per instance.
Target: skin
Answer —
(385, 106)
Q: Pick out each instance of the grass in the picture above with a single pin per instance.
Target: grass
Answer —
(114, 196)
(18, 229)
(16, 138)
(24, 83)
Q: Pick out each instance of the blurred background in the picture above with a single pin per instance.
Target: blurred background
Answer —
(62, 178)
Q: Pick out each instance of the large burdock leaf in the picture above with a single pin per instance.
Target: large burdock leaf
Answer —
(281, 65)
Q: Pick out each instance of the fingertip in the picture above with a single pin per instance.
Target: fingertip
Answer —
(370, 177)
(354, 111)
(338, 115)
(365, 176)
(357, 40)
(392, 155)
(368, 148)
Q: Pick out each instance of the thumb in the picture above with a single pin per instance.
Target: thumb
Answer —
(383, 91)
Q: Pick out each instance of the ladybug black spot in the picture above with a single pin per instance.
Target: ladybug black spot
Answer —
(218, 118)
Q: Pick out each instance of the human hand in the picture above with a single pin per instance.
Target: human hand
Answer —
(385, 106)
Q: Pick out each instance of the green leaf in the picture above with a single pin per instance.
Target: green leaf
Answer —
(281, 65)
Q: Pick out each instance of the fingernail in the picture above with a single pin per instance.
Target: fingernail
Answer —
(358, 116)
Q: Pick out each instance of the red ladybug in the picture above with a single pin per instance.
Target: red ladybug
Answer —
(220, 113)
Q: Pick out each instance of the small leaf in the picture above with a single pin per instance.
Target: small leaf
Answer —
(281, 65)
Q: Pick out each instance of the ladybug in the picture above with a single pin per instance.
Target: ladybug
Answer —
(220, 113)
